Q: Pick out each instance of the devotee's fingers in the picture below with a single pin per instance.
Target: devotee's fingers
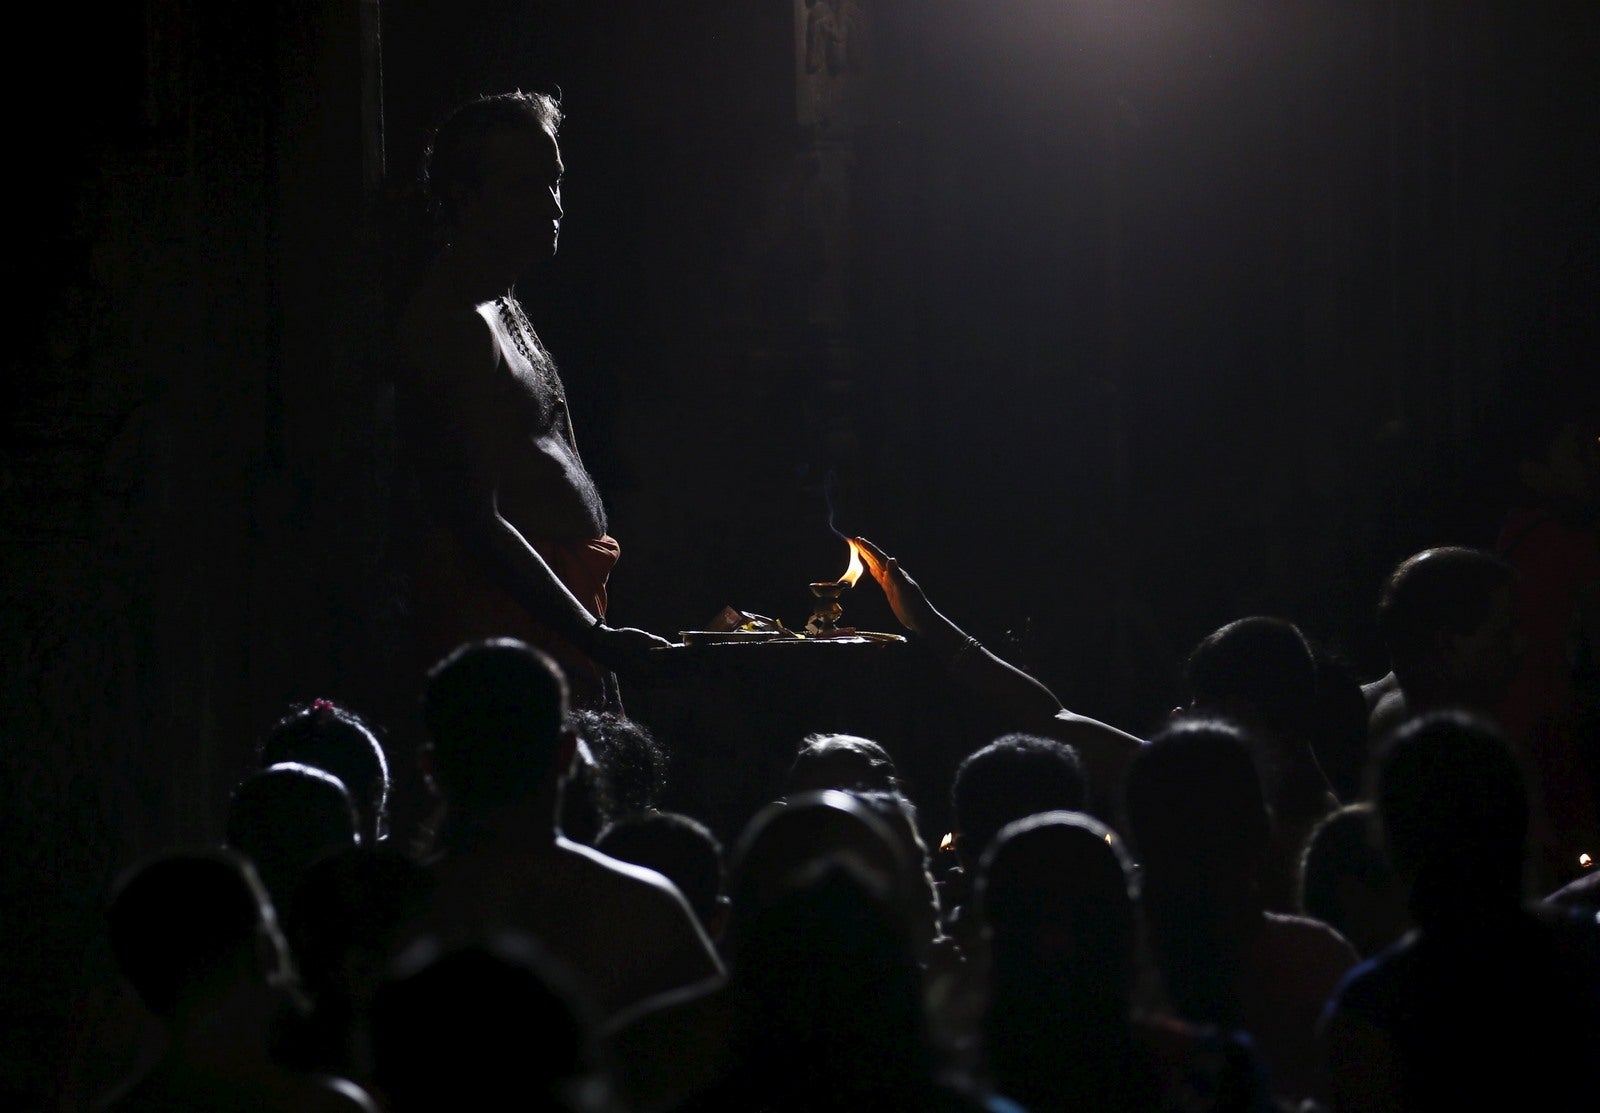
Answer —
(906, 599)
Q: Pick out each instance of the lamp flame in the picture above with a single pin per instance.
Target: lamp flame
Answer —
(853, 573)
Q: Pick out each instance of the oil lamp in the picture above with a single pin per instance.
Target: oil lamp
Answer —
(826, 611)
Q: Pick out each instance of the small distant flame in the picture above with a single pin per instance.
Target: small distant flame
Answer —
(853, 573)
(1585, 861)
(948, 843)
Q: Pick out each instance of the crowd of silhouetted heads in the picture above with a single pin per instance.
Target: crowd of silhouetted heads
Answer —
(1306, 890)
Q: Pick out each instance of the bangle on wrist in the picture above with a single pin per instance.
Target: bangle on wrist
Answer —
(969, 647)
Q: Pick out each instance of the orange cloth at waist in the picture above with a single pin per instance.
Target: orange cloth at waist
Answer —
(583, 565)
(456, 601)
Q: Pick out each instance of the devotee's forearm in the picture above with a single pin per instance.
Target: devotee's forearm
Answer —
(987, 674)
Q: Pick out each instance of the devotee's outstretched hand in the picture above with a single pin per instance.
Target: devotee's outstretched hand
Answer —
(1011, 691)
(905, 597)
(1004, 684)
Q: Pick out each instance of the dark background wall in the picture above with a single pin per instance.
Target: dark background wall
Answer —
(1113, 321)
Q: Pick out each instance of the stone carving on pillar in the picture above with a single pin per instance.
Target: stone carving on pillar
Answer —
(832, 70)
(832, 48)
